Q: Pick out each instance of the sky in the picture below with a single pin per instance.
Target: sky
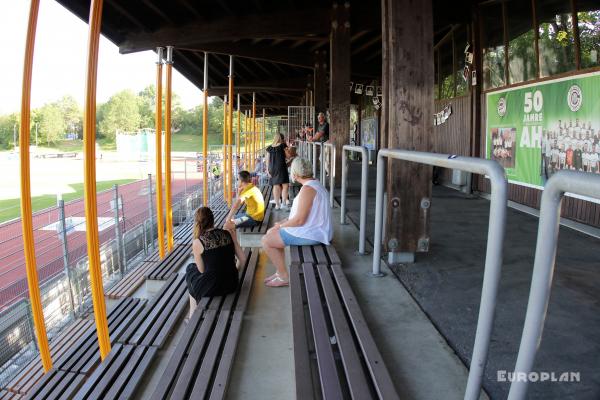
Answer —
(60, 58)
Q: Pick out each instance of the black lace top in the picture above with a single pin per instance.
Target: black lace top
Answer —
(220, 274)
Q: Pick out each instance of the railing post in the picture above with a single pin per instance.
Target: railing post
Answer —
(314, 159)
(364, 184)
(185, 175)
(118, 237)
(378, 216)
(580, 183)
(65, 249)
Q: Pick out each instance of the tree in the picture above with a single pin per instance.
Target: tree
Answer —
(147, 105)
(7, 126)
(51, 123)
(72, 115)
(120, 113)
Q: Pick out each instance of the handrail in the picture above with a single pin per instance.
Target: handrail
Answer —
(493, 257)
(314, 159)
(331, 171)
(580, 183)
(364, 183)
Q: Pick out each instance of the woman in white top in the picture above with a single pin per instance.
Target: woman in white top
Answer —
(309, 223)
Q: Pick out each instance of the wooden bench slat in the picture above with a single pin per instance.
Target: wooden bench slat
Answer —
(177, 359)
(379, 373)
(138, 374)
(246, 286)
(219, 388)
(168, 319)
(330, 380)
(209, 360)
(357, 382)
(304, 383)
(196, 353)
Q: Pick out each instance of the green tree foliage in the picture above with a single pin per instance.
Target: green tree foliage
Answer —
(51, 123)
(7, 127)
(120, 113)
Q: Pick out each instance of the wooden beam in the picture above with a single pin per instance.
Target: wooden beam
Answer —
(367, 45)
(287, 56)
(157, 11)
(408, 78)
(339, 81)
(117, 6)
(299, 22)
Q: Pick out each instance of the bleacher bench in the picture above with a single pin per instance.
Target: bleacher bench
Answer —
(76, 356)
(203, 358)
(163, 269)
(5, 395)
(154, 324)
(132, 280)
(335, 356)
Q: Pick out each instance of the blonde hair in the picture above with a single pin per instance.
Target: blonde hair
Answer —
(278, 138)
(301, 168)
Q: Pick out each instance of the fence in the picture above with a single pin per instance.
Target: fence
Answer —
(127, 231)
(300, 121)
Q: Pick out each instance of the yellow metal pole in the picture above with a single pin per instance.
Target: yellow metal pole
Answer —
(205, 134)
(169, 206)
(230, 139)
(239, 125)
(89, 194)
(254, 141)
(246, 167)
(263, 130)
(225, 149)
(26, 218)
(158, 122)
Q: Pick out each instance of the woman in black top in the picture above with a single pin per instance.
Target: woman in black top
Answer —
(278, 171)
(214, 271)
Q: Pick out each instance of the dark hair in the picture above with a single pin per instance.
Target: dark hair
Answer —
(203, 221)
(245, 176)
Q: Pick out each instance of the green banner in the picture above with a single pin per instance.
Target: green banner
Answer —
(535, 130)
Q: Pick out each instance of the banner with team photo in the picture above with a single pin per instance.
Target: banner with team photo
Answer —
(536, 130)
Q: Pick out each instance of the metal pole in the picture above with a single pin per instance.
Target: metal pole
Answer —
(364, 185)
(26, 213)
(254, 144)
(159, 194)
(580, 183)
(331, 170)
(239, 126)
(118, 237)
(314, 158)
(168, 177)
(224, 151)
(205, 188)
(185, 175)
(150, 208)
(493, 258)
(65, 248)
(91, 207)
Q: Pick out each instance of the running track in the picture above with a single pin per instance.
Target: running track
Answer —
(48, 246)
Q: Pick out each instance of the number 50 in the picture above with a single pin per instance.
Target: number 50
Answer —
(533, 101)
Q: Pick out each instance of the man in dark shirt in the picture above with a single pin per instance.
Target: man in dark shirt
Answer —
(322, 133)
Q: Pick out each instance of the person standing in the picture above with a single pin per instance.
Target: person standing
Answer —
(322, 135)
(278, 171)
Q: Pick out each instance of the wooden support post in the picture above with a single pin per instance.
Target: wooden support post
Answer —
(408, 80)
(339, 124)
(320, 84)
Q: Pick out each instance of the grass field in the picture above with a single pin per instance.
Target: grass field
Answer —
(11, 208)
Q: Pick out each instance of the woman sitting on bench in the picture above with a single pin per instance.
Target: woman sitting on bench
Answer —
(309, 223)
(213, 272)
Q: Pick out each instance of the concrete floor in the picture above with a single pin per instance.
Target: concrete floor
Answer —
(446, 283)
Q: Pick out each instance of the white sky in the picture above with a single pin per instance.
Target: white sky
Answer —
(60, 60)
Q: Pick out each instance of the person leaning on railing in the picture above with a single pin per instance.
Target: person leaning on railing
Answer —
(309, 223)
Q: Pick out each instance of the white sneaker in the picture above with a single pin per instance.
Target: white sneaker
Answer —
(272, 202)
(284, 207)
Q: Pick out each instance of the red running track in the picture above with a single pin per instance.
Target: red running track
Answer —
(48, 246)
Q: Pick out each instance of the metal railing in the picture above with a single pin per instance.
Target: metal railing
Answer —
(314, 158)
(364, 184)
(331, 147)
(495, 240)
(579, 183)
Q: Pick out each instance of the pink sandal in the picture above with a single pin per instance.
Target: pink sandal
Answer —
(277, 282)
(270, 278)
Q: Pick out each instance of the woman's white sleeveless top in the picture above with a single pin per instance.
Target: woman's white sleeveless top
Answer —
(318, 225)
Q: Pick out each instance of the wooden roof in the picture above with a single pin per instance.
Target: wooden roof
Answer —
(273, 41)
